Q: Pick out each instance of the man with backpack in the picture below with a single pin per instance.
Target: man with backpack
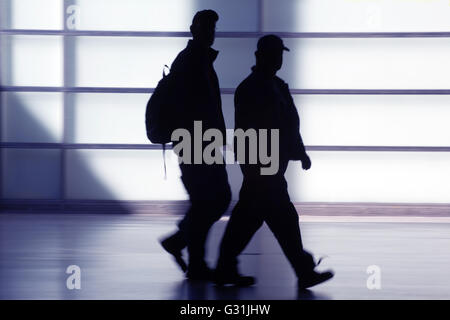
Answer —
(196, 96)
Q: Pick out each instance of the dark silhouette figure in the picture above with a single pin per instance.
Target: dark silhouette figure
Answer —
(198, 99)
(263, 101)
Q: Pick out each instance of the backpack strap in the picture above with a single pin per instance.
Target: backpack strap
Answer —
(164, 74)
(164, 160)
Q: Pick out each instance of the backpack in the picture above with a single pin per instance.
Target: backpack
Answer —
(159, 111)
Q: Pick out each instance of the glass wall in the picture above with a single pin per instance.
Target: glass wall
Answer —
(369, 78)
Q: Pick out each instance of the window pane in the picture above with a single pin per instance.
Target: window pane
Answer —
(235, 60)
(356, 16)
(31, 14)
(124, 62)
(123, 175)
(135, 62)
(31, 174)
(32, 117)
(392, 177)
(31, 60)
(311, 64)
(107, 118)
(167, 15)
(392, 63)
(374, 120)
(115, 117)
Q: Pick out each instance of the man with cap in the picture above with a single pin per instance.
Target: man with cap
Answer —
(197, 98)
(263, 101)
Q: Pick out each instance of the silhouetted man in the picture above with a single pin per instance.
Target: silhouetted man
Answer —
(263, 101)
(197, 96)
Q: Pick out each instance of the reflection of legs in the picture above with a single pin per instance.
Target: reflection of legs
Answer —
(284, 223)
(241, 227)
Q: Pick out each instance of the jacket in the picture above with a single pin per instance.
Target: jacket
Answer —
(197, 92)
(263, 102)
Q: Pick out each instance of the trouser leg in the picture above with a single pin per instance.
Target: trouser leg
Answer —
(243, 224)
(210, 196)
(178, 240)
(284, 223)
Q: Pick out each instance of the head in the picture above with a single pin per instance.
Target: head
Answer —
(203, 27)
(269, 53)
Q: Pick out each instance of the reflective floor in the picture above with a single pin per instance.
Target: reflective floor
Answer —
(120, 258)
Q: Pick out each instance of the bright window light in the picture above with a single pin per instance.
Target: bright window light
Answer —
(391, 177)
(123, 175)
(32, 60)
(31, 14)
(393, 63)
(107, 118)
(167, 15)
(356, 16)
(375, 120)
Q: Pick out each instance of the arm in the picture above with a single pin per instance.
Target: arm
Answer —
(298, 147)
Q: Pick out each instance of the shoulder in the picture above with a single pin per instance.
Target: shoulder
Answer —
(246, 87)
(281, 83)
(284, 87)
(183, 60)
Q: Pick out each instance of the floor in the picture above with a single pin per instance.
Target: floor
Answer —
(120, 258)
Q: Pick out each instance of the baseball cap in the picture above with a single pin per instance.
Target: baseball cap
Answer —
(271, 42)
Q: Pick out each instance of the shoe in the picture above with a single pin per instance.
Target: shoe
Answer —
(169, 246)
(234, 279)
(314, 278)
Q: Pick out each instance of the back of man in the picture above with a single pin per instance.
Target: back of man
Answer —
(197, 88)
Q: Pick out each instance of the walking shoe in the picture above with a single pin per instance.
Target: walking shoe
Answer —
(175, 251)
(314, 278)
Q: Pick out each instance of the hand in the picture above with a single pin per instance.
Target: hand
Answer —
(306, 162)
